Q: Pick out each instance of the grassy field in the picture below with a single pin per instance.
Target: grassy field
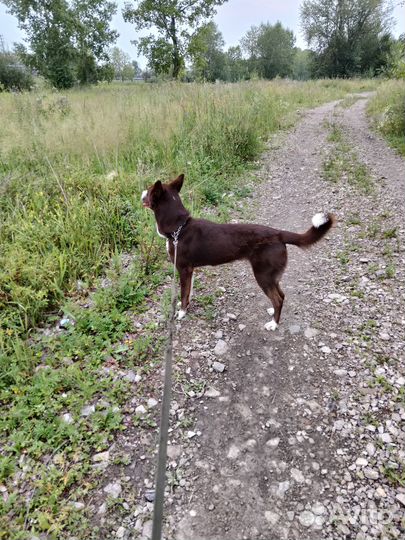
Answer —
(72, 168)
(387, 109)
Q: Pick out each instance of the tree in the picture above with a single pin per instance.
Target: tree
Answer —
(120, 60)
(347, 36)
(302, 65)
(270, 49)
(236, 65)
(171, 21)
(66, 39)
(206, 52)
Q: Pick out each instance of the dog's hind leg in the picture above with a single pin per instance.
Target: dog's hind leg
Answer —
(268, 267)
(186, 282)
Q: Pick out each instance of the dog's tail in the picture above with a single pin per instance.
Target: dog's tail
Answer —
(321, 223)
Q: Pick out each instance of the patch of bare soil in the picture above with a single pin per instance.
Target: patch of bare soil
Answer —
(297, 433)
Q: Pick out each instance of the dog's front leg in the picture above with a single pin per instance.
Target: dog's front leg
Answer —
(186, 278)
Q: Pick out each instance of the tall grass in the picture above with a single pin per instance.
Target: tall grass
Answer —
(387, 110)
(72, 167)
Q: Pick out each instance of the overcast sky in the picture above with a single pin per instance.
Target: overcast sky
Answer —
(234, 18)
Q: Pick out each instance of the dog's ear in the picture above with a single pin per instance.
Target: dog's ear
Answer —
(156, 191)
(178, 182)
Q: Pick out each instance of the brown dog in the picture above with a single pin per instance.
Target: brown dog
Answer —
(204, 243)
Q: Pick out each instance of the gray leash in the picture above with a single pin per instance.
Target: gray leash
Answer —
(165, 411)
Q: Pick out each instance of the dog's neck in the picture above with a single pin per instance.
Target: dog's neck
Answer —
(169, 219)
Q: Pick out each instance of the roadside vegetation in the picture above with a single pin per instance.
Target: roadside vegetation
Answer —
(73, 166)
(387, 110)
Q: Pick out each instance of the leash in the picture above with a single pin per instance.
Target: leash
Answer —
(165, 410)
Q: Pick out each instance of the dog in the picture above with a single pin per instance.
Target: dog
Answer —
(204, 243)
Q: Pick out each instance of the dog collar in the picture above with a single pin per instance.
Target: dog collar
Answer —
(175, 234)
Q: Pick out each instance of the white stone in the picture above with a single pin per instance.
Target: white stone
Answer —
(152, 402)
(67, 418)
(101, 456)
(400, 497)
(233, 452)
(87, 410)
(273, 443)
(220, 348)
(140, 410)
(297, 475)
(113, 489)
(211, 392)
(271, 517)
(306, 518)
(120, 532)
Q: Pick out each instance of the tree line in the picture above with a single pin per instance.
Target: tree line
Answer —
(71, 42)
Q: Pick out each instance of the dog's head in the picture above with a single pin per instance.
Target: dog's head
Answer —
(160, 194)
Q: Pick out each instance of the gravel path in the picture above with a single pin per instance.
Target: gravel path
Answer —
(297, 433)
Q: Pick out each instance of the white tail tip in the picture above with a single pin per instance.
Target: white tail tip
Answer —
(319, 219)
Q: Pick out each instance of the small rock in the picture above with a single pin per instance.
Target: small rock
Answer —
(318, 509)
(65, 323)
(218, 367)
(361, 462)
(380, 493)
(386, 437)
(120, 532)
(372, 474)
(191, 434)
(218, 334)
(102, 509)
(150, 495)
(370, 449)
(140, 410)
(220, 348)
(294, 329)
(131, 376)
(152, 402)
(233, 452)
(273, 443)
(241, 326)
(340, 372)
(326, 350)
(101, 457)
(88, 410)
(147, 529)
(211, 392)
(113, 489)
(384, 336)
(78, 505)
(67, 418)
(400, 497)
(309, 333)
(231, 316)
(271, 517)
(297, 476)
(306, 518)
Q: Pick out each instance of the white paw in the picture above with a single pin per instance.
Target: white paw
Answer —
(181, 314)
(272, 325)
(270, 311)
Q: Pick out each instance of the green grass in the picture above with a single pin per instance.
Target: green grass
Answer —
(387, 111)
(343, 163)
(72, 168)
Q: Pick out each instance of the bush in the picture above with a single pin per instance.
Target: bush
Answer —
(12, 76)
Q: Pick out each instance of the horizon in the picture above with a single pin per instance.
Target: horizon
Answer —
(234, 18)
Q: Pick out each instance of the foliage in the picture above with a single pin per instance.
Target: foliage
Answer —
(387, 110)
(124, 67)
(13, 76)
(206, 51)
(348, 36)
(172, 21)
(270, 49)
(66, 40)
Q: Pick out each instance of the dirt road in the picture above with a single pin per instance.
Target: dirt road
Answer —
(302, 435)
